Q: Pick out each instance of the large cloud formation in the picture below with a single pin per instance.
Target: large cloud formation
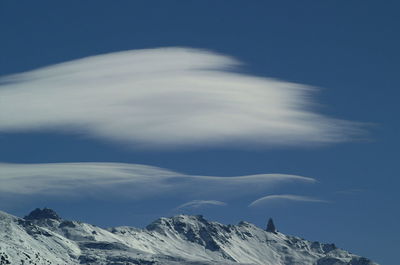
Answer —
(165, 97)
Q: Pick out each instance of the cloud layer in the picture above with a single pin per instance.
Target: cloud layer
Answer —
(166, 97)
(283, 197)
(128, 181)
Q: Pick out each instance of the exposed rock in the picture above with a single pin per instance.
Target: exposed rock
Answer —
(270, 226)
(39, 214)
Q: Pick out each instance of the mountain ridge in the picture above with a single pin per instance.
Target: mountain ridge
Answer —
(45, 238)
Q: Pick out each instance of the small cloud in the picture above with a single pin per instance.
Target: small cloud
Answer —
(166, 98)
(350, 191)
(200, 203)
(284, 197)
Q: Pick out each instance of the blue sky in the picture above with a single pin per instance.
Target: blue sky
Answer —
(345, 52)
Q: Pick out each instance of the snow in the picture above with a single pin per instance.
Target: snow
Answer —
(180, 239)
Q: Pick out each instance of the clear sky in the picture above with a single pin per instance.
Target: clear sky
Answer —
(304, 92)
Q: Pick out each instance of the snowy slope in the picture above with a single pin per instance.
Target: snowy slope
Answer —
(182, 239)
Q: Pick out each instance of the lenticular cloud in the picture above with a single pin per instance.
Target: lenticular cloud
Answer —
(165, 97)
(133, 181)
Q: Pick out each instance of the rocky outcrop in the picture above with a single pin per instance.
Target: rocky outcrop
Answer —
(45, 213)
(271, 226)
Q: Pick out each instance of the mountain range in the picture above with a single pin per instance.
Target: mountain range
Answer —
(44, 238)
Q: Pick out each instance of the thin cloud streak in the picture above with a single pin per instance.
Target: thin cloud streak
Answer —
(166, 98)
(284, 197)
(200, 203)
(127, 181)
(350, 191)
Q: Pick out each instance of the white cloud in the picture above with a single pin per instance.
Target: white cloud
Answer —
(166, 97)
(127, 181)
(200, 203)
(283, 197)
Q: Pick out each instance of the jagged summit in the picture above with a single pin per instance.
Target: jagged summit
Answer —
(45, 213)
(271, 226)
(175, 221)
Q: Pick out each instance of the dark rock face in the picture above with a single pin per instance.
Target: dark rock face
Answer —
(4, 258)
(270, 226)
(360, 261)
(39, 214)
(330, 261)
(67, 224)
(105, 245)
(353, 261)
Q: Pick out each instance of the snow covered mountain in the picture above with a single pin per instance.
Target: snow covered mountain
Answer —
(43, 237)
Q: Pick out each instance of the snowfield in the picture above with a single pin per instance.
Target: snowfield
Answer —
(43, 238)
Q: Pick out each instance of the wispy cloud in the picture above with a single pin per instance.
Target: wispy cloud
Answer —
(350, 191)
(128, 181)
(283, 197)
(200, 203)
(165, 97)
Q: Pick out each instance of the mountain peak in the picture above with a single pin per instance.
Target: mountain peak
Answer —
(177, 222)
(45, 213)
(271, 226)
